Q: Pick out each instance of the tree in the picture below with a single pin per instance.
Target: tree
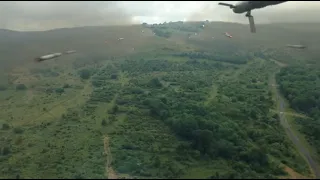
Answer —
(66, 86)
(21, 87)
(103, 122)
(85, 74)
(114, 109)
(162, 33)
(184, 127)
(59, 90)
(155, 82)
(18, 130)
(202, 140)
(262, 98)
(5, 150)
(3, 88)
(114, 76)
(157, 162)
(5, 126)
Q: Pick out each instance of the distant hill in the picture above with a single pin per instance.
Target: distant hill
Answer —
(20, 47)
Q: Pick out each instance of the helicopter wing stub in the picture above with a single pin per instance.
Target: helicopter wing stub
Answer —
(226, 4)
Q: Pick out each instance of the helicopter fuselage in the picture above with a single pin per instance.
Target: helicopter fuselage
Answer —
(246, 6)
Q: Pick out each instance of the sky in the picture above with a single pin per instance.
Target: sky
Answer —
(45, 15)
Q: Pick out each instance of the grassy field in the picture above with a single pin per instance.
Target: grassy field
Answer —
(156, 104)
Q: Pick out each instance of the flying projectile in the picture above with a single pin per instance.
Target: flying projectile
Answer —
(47, 57)
(70, 52)
(296, 46)
(228, 35)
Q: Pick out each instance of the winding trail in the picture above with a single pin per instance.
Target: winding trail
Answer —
(110, 173)
(292, 136)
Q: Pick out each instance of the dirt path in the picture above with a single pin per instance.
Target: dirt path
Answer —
(110, 173)
(292, 114)
(292, 174)
(279, 63)
(296, 115)
(291, 133)
(30, 96)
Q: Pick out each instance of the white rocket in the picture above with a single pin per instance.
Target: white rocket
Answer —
(49, 56)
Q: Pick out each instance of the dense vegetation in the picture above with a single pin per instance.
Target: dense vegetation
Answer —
(230, 58)
(181, 97)
(166, 29)
(174, 107)
(301, 86)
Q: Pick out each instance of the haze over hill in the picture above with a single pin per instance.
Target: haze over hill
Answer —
(28, 16)
(19, 47)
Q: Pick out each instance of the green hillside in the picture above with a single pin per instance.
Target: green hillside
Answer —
(175, 100)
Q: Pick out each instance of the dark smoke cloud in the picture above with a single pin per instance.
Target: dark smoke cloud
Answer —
(44, 15)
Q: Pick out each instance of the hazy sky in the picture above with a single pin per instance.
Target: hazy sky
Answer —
(43, 15)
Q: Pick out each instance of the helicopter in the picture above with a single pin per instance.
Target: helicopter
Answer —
(247, 6)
